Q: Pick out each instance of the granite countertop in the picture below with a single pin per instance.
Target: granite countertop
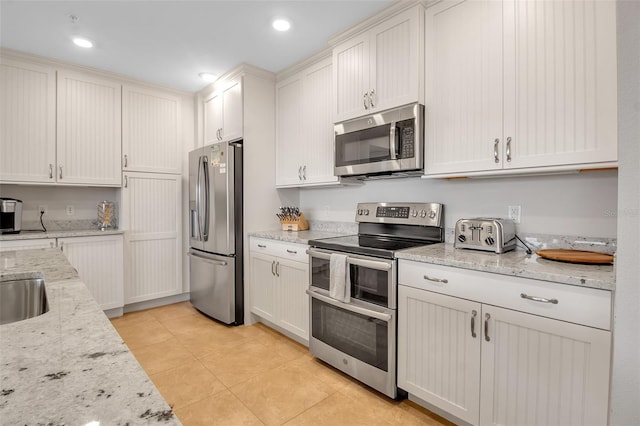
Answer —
(69, 366)
(516, 263)
(299, 237)
(32, 235)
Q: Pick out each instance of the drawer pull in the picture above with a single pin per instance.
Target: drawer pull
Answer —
(262, 246)
(436, 280)
(473, 323)
(539, 299)
(487, 317)
(292, 251)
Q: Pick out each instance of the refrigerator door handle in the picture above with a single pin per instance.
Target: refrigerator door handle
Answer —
(207, 196)
(199, 200)
(206, 259)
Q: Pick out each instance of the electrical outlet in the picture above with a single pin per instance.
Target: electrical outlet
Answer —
(70, 211)
(42, 208)
(514, 213)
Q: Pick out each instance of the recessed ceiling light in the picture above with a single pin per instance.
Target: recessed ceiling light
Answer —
(82, 42)
(208, 77)
(281, 24)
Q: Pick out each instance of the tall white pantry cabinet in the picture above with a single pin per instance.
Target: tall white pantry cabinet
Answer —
(152, 194)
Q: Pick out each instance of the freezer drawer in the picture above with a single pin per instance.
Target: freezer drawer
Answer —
(213, 284)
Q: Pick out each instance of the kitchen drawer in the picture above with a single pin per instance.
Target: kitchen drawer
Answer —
(580, 305)
(292, 251)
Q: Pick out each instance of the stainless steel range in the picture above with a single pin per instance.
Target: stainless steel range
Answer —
(353, 289)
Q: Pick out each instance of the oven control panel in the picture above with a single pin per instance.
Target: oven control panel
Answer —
(425, 214)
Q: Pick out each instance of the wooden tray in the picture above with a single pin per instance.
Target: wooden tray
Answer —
(576, 256)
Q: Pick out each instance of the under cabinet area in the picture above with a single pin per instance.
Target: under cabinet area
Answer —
(278, 282)
(517, 85)
(380, 68)
(490, 349)
(304, 130)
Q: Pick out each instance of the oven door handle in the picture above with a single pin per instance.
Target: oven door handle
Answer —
(371, 264)
(348, 307)
(319, 254)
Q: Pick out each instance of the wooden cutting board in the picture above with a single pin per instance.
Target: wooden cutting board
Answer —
(576, 256)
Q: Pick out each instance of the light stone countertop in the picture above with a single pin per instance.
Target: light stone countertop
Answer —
(69, 366)
(32, 235)
(298, 237)
(516, 263)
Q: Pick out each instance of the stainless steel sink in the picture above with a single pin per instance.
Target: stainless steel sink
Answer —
(22, 299)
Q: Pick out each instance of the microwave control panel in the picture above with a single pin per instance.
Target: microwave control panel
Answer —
(406, 138)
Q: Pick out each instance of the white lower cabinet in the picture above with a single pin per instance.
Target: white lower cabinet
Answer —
(27, 244)
(151, 217)
(279, 280)
(491, 365)
(98, 261)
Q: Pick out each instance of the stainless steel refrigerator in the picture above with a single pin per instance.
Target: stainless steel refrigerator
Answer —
(215, 227)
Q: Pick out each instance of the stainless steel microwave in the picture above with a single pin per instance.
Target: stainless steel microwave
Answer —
(389, 142)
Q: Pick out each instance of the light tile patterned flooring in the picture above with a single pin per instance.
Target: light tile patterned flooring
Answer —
(212, 374)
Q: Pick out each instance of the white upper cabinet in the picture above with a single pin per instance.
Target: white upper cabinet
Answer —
(304, 129)
(513, 85)
(89, 130)
(381, 68)
(27, 122)
(150, 131)
(223, 119)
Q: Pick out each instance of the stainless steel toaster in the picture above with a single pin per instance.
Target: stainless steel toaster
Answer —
(485, 233)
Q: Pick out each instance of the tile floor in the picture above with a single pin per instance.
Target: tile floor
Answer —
(212, 374)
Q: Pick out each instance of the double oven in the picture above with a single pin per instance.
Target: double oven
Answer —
(358, 335)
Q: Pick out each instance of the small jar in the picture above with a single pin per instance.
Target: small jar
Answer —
(107, 218)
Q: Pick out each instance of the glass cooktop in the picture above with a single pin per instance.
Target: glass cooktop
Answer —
(367, 244)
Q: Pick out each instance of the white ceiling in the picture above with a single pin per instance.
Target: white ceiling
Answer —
(170, 42)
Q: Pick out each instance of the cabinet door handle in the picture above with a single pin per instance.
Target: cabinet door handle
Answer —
(496, 158)
(436, 280)
(50, 171)
(62, 246)
(292, 251)
(487, 317)
(509, 148)
(126, 181)
(273, 266)
(60, 172)
(365, 101)
(372, 92)
(473, 323)
(539, 299)
(277, 269)
(304, 172)
(300, 173)
(262, 246)
(126, 160)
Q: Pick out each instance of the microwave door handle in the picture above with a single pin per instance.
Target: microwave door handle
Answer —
(393, 141)
(371, 264)
(349, 307)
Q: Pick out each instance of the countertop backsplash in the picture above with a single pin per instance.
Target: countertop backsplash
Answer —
(61, 225)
